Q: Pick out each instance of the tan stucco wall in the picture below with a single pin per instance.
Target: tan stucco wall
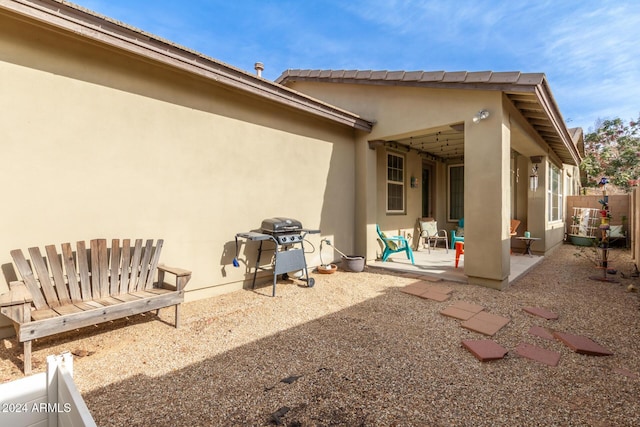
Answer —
(399, 111)
(97, 144)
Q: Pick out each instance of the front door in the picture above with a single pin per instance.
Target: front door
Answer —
(426, 191)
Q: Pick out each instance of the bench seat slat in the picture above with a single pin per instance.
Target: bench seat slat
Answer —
(67, 309)
(127, 297)
(144, 294)
(159, 291)
(45, 313)
(107, 301)
(89, 305)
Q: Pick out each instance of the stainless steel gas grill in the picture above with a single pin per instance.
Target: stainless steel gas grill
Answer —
(288, 255)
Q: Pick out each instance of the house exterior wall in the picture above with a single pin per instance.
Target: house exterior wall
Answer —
(101, 144)
(401, 111)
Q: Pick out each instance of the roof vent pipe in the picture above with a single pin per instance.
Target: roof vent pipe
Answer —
(259, 66)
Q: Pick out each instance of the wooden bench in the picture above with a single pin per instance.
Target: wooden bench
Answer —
(86, 287)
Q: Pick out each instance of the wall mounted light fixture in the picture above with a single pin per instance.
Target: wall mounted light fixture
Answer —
(480, 115)
(533, 178)
(414, 182)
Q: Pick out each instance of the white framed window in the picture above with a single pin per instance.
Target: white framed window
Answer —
(554, 193)
(455, 195)
(395, 183)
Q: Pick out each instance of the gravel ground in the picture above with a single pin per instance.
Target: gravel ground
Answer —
(355, 351)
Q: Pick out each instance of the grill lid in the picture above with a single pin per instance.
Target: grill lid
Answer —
(281, 225)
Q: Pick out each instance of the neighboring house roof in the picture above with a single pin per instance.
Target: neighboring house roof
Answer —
(73, 18)
(529, 93)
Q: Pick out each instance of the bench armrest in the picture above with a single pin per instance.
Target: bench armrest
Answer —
(18, 295)
(182, 276)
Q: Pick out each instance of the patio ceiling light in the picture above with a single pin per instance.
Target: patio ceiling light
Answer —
(480, 115)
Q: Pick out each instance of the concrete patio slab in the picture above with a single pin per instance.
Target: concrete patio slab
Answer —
(439, 265)
(485, 323)
(582, 345)
(541, 312)
(539, 354)
(485, 350)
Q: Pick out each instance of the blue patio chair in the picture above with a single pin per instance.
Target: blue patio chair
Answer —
(458, 235)
(394, 244)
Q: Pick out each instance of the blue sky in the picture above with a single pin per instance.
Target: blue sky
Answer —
(589, 50)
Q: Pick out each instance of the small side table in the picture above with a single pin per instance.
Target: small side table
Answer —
(528, 241)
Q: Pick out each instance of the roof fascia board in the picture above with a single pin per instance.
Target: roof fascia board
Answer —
(551, 109)
(533, 84)
(74, 20)
(527, 127)
(432, 85)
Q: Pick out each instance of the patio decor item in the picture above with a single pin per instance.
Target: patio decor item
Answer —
(394, 244)
(459, 251)
(582, 240)
(91, 286)
(327, 268)
(353, 263)
(584, 226)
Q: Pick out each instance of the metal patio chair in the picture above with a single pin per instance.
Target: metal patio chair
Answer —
(431, 235)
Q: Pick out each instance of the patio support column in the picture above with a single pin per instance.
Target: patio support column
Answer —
(487, 200)
(537, 206)
(366, 200)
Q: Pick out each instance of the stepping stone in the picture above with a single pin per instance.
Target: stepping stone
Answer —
(582, 345)
(485, 323)
(541, 312)
(462, 310)
(426, 290)
(538, 354)
(441, 288)
(485, 350)
(541, 332)
(627, 373)
(413, 290)
(436, 296)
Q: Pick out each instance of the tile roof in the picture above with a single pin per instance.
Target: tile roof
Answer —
(529, 93)
(81, 22)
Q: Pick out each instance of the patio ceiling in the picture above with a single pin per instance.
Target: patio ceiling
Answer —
(444, 145)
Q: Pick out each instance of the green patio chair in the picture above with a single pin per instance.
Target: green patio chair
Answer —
(394, 244)
(458, 235)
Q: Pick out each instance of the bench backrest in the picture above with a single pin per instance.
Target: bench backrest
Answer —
(88, 273)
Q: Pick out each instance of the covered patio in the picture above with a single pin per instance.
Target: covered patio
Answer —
(440, 265)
